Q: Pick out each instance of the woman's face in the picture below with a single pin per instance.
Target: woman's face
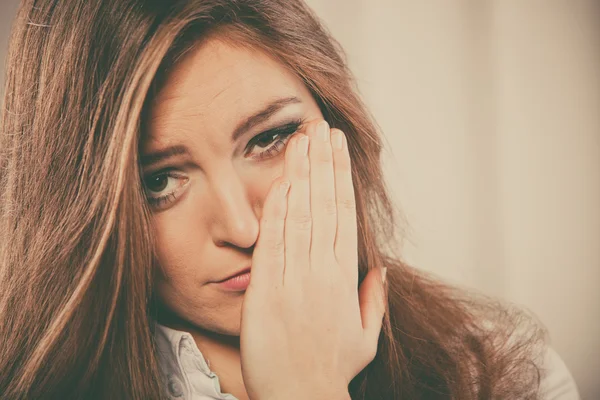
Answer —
(207, 194)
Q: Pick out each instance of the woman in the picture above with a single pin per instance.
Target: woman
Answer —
(144, 144)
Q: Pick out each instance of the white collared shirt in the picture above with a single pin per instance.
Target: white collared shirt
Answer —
(187, 373)
(184, 369)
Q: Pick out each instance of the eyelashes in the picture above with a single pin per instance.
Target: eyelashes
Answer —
(274, 139)
(271, 142)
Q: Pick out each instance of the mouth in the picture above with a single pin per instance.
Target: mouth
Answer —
(239, 281)
(238, 273)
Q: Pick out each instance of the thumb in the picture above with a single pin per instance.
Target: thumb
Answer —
(372, 296)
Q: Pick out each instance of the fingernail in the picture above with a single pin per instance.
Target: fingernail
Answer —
(323, 131)
(283, 188)
(338, 140)
(383, 273)
(303, 145)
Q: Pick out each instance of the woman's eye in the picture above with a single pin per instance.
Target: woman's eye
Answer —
(270, 143)
(157, 183)
(162, 188)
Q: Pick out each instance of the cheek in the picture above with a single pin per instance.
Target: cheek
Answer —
(180, 238)
(259, 178)
(184, 245)
(182, 232)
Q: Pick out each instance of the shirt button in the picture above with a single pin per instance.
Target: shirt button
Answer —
(175, 387)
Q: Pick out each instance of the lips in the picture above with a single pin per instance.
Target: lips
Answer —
(238, 273)
(236, 283)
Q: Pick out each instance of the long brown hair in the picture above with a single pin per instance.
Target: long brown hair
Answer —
(76, 245)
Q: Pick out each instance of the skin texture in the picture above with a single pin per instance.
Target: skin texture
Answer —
(210, 228)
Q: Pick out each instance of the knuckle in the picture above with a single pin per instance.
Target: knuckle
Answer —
(277, 247)
(330, 206)
(347, 204)
(273, 243)
(302, 222)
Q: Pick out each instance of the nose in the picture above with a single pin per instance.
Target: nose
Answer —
(234, 221)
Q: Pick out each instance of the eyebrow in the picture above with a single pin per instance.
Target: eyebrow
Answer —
(165, 154)
(250, 122)
(263, 115)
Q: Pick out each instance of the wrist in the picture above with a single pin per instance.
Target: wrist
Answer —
(343, 396)
(316, 395)
(336, 392)
(305, 390)
(329, 394)
(322, 396)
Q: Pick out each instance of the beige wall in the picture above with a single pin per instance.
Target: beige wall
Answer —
(492, 113)
(491, 110)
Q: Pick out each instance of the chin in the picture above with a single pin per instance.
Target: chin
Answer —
(229, 329)
(222, 321)
(217, 313)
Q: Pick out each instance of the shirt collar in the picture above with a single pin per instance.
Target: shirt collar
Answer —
(184, 369)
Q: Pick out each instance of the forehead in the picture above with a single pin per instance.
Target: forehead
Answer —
(216, 82)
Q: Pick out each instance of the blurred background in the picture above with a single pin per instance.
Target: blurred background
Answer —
(491, 116)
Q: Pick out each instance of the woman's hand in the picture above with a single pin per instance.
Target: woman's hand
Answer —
(306, 329)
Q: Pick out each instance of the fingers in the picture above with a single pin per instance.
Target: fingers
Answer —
(298, 223)
(320, 227)
(268, 262)
(322, 196)
(346, 242)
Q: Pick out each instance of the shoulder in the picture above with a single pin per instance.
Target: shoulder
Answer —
(557, 383)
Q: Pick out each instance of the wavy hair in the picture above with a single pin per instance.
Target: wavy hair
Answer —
(76, 245)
